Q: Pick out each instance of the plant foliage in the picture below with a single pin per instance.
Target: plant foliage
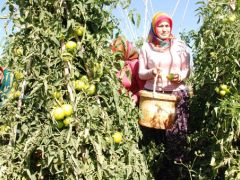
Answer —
(34, 145)
(215, 120)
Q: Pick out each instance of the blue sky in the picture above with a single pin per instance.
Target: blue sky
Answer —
(2, 32)
(182, 11)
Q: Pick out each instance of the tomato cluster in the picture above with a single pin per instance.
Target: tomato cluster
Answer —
(83, 85)
(63, 66)
(59, 113)
(222, 90)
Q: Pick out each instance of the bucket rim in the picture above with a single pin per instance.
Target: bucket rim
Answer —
(158, 96)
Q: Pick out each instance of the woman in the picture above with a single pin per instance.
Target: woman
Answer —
(167, 58)
(5, 83)
(129, 74)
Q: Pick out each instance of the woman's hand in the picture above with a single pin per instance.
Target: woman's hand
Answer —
(156, 71)
(175, 78)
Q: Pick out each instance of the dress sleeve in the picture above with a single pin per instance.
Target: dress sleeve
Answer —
(144, 72)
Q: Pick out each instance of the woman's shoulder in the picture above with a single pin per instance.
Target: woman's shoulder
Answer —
(179, 45)
(146, 47)
(179, 42)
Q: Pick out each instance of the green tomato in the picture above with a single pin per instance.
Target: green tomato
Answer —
(58, 113)
(84, 78)
(227, 90)
(60, 124)
(4, 128)
(57, 95)
(91, 90)
(71, 46)
(98, 70)
(117, 137)
(80, 85)
(19, 51)
(224, 87)
(79, 30)
(17, 94)
(18, 75)
(222, 93)
(217, 89)
(232, 18)
(67, 109)
(66, 57)
(67, 121)
(170, 76)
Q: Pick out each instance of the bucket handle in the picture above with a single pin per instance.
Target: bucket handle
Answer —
(154, 85)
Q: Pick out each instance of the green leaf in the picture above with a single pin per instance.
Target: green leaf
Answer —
(131, 16)
(138, 19)
(24, 129)
(35, 89)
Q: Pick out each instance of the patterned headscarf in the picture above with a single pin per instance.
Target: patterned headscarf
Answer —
(153, 38)
(125, 47)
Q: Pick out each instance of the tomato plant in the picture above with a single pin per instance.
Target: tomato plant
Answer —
(54, 57)
(214, 122)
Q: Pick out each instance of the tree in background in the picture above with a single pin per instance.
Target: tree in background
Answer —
(65, 117)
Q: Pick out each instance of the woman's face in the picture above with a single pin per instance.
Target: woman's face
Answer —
(163, 30)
